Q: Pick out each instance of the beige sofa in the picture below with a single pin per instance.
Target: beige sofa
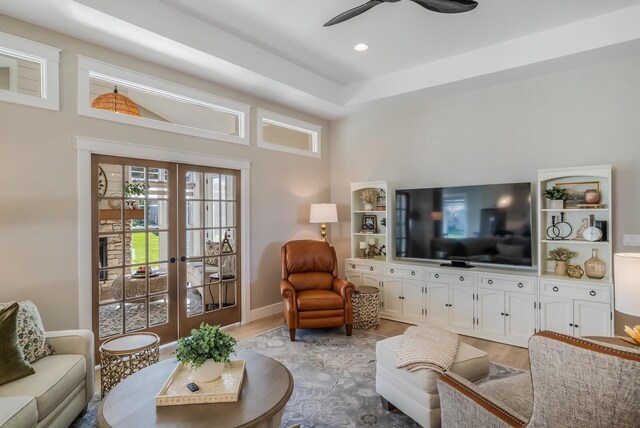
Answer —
(60, 388)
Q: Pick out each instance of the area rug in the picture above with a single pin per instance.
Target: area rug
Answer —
(334, 379)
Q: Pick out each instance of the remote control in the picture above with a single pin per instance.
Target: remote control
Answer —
(193, 387)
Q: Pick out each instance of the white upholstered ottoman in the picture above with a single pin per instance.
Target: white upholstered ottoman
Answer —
(416, 393)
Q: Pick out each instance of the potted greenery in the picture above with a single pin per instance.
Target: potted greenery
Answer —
(556, 197)
(561, 255)
(205, 351)
(369, 197)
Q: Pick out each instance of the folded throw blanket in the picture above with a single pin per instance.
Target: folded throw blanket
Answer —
(427, 347)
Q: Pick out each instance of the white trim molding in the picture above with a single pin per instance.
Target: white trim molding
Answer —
(49, 59)
(89, 68)
(87, 146)
(271, 118)
(266, 311)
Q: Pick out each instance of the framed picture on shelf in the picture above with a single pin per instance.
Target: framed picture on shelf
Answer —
(576, 190)
(369, 224)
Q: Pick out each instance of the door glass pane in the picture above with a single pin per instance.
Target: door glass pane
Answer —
(229, 242)
(138, 246)
(228, 267)
(212, 297)
(227, 187)
(135, 285)
(110, 285)
(195, 240)
(228, 214)
(135, 315)
(158, 183)
(158, 246)
(109, 251)
(158, 214)
(195, 185)
(110, 320)
(228, 294)
(193, 215)
(158, 309)
(212, 214)
(212, 186)
(194, 301)
(109, 180)
(195, 273)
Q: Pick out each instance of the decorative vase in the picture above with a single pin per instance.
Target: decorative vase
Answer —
(208, 372)
(592, 196)
(595, 268)
(561, 268)
(555, 204)
(368, 206)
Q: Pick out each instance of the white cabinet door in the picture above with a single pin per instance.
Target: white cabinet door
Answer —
(437, 304)
(491, 311)
(392, 293)
(461, 306)
(354, 278)
(556, 314)
(520, 318)
(412, 300)
(369, 280)
(591, 318)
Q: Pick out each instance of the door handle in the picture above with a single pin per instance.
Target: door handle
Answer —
(183, 259)
(172, 260)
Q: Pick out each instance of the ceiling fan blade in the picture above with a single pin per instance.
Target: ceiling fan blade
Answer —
(352, 13)
(447, 6)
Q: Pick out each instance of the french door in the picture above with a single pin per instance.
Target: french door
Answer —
(165, 247)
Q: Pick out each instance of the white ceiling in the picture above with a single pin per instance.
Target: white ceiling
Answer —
(279, 50)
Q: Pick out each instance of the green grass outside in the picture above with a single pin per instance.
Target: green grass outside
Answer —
(138, 248)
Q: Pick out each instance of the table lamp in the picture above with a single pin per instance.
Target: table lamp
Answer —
(323, 213)
(626, 271)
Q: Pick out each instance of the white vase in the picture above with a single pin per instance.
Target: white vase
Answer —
(368, 206)
(555, 204)
(208, 372)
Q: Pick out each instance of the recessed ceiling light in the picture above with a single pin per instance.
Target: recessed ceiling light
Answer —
(361, 47)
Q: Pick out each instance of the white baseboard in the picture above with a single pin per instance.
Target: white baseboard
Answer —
(265, 311)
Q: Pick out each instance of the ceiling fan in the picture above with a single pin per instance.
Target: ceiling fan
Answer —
(441, 6)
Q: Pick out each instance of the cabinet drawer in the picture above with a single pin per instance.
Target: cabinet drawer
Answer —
(451, 278)
(403, 272)
(363, 266)
(587, 292)
(524, 285)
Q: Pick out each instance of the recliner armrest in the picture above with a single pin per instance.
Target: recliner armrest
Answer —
(287, 291)
(343, 288)
(76, 342)
(462, 405)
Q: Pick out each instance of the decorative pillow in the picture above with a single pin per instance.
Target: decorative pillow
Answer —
(212, 249)
(30, 331)
(13, 365)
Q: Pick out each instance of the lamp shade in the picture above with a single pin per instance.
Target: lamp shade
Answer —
(323, 213)
(626, 271)
(113, 101)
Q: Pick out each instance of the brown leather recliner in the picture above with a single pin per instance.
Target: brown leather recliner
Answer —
(314, 296)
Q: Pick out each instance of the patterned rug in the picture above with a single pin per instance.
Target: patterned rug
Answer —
(334, 377)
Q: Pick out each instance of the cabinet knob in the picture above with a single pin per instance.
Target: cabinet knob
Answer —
(353, 266)
(576, 325)
(506, 315)
(413, 273)
(490, 282)
(391, 271)
(556, 289)
(592, 293)
(462, 278)
(502, 313)
(371, 268)
(570, 324)
(400, 297)
(520, 285)
(437, 276)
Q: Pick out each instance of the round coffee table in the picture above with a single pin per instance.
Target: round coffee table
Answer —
(266, 389)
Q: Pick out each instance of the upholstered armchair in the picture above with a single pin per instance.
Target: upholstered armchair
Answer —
(573, 383)
(314, 296)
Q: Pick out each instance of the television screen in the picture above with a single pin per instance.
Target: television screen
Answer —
(488, 224)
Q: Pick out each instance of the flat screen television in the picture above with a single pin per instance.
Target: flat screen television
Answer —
(466, 225)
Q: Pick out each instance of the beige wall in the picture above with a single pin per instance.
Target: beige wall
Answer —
(38, 185)
(585, 116)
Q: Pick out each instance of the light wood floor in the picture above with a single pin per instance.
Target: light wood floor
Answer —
(498, 352)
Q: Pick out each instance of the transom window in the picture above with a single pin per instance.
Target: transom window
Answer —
(286, 134)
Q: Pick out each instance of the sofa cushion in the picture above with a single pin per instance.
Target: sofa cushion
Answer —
(470, 363)
(18, 412)
(55, 377)
(13, 365)
(30, 331)
(311, 300)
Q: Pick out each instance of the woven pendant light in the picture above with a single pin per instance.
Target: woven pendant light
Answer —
(116, 102)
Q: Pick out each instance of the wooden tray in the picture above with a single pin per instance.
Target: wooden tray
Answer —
(225, 389)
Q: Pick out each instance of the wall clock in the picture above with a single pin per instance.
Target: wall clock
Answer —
(102, 182)
(592, 234)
